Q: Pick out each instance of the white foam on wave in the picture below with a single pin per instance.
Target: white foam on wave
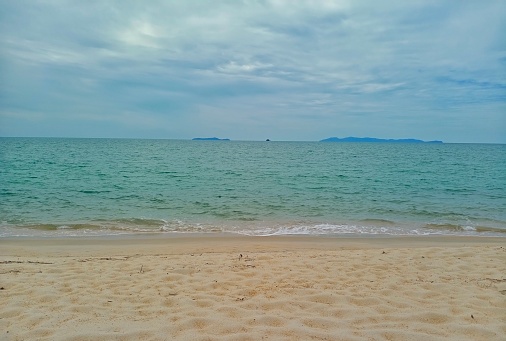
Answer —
(321, 229)
(350, 229)
(63, 227)
(248, 229)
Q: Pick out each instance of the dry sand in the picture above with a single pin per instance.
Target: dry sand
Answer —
(286, 288)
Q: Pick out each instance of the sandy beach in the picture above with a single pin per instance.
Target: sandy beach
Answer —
(253, 288)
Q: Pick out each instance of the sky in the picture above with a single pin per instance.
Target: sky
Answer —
(252, 70)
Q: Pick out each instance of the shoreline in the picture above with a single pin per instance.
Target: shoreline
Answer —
(240, 288)
(228, 241)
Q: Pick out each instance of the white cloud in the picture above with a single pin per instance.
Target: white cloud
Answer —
(140, 33)
(234, 67)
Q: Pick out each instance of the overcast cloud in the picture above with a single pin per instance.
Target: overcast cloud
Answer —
(251, 70)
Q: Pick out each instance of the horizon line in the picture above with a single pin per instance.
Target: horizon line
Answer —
(239, 140)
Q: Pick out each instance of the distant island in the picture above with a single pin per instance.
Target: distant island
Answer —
(372, 139)
(208, 139)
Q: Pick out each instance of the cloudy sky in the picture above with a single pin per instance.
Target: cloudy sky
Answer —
(251, 70)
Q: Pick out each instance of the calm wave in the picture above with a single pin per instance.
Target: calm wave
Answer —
(55, 187)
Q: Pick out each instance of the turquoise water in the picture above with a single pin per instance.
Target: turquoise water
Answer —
(56, 187)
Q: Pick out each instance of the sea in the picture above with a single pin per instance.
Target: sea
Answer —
(70, 187)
